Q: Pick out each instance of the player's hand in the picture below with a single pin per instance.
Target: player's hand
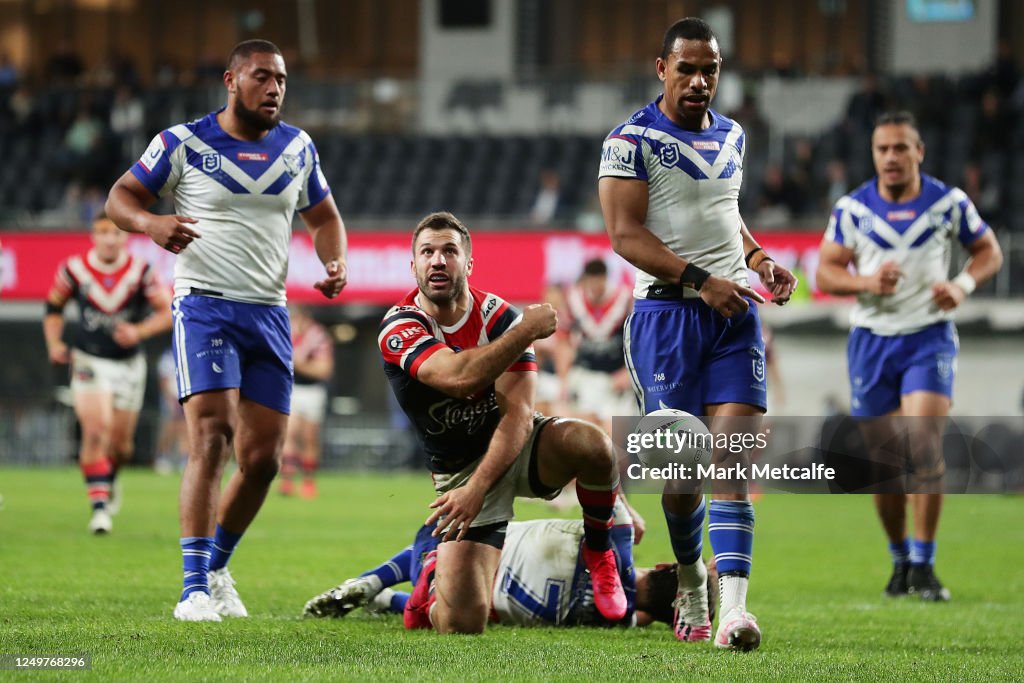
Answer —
(947, 295)
(777, 280)
(171, 232)
(337, 278)
(454, 509)
(884, 281)
(126, 335)
(541, 320)
(58, 353)
(639, 526)
(727, 297)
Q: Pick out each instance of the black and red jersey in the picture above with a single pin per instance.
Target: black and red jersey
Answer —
(598, 326)
(105, 293)
(454, 431)
(311, 343)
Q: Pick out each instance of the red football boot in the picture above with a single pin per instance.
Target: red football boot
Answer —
(417, 608)
(609, 598)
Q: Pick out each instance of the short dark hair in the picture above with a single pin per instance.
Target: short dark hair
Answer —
(595, 266)
(896, 118)
(100, 215)
(443, 220)
(662, 585)
(247, 48)
(690, 28)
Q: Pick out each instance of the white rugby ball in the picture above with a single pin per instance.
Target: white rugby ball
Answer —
(669, 436)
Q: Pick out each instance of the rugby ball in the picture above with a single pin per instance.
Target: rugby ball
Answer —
(669, 436)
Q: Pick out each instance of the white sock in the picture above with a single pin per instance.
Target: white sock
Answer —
(374, 582)
(733, 593)
(692, 577)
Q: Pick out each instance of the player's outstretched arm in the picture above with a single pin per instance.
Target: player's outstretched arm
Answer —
(624, 205)
(986, 260)
(465, 373)
(460, 506)
(331, 243)
(128, 204)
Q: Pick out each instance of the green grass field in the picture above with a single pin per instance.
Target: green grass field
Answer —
(820, 564)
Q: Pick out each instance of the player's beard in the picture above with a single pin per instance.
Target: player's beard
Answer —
(456, 288)
(256, 119)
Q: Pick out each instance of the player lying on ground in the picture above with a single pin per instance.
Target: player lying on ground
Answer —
(541, 579)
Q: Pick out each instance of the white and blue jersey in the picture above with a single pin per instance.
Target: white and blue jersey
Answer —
(244, 195)
(693, 180)
(680, 352)
(903, 342)
(919, 235)
(231, 326)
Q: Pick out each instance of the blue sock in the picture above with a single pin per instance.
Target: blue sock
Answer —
(195, 555)
(686, 533)
(922, 552)
(731, 530)
(224, 543)
(398, 601)
(900, 551)
(395, 570)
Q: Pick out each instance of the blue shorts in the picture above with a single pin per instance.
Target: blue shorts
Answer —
(882, 369)
(685, 355)
(221, 344)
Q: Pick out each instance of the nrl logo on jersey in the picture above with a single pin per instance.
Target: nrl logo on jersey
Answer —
(293, 163)
(211, 162)
(669, 154)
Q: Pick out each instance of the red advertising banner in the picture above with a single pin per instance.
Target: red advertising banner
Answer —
(515, 265)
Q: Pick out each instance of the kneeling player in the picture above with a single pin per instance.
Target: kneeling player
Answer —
(461, 365)
(541, 579)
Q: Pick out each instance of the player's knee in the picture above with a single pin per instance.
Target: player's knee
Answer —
(468, 619)
(212, 436)
(96, 437)
(590, 445)
(258, 467)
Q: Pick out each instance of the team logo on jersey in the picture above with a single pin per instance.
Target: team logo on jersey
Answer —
(394, 343)
(293, 163)
(211, 162)
(669, 155)
(945, 365)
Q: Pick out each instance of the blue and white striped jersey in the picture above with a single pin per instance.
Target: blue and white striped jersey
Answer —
(918, 235)
(244, 195)
(694, 180)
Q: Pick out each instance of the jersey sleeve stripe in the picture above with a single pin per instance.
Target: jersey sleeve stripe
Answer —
(415, 357)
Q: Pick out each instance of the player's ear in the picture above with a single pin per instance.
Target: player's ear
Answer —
(661, 67)
(229, 80)
(469, 266)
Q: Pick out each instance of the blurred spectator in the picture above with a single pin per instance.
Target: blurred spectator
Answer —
(127, 121)
(985, 195)
(838, 185)
(545, 206)
(165, 73)
(780, 198)
(930, 106)
(802, 177)
(1004, 75)
(991, 127)
(754, 125)
(865, 106)
(64, 66)
(8, 75)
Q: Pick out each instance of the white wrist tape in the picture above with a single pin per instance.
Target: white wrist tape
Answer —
(965, 282)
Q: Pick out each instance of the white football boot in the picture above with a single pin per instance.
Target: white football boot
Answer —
(196, 607)
(100, 523)
(223, 594)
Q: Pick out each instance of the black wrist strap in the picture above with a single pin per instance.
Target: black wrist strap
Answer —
(751, 253)
(693, 277)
